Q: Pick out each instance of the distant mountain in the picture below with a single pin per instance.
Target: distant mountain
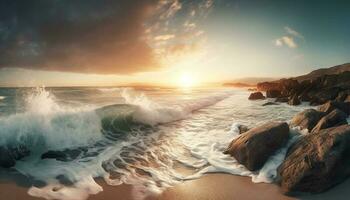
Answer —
(247, 81)
(239, 85)
(324, 71)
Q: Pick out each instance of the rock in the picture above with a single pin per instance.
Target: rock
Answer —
(347, 99)
(252, 89)
(58, 155)
(256, 95)
(9, 155)
(270, 104)
(324, 95)
(243, 129)
(307, 119)
(282, 99)
(304, 97)
(6, 159)
(255, 146)
(332, 105)
(64, 155)
(335, 118)
(317, 162)
(342, 95)
(294, 101)
(273, 93)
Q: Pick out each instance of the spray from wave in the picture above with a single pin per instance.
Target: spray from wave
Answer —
(152, 113)
(45, 124)
(143, 157)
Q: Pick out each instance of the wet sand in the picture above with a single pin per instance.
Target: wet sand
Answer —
(210, 187)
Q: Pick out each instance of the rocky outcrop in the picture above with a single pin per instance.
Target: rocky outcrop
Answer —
(273, 93)
(254, 147)
(316, 88)
(256, 96)
(334, 118)
(307, 119)
(317, 161)
(9, 155)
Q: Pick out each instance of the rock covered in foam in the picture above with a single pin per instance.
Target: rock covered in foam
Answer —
(254, 147)
(317, 161)
(335, 118)
(64, 155)
(256, 95)
(270, 104)
(307, 119)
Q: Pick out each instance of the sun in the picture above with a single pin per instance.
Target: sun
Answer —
(186, 80)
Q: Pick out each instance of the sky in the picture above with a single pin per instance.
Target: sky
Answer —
(167, 42)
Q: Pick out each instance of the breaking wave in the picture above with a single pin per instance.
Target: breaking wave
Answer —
(122, 143)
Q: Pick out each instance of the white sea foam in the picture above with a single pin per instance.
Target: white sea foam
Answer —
(146, 158)
(2, 97)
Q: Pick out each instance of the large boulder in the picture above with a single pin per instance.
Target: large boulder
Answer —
(332, 105)
(317, 161)
(10, 154)
(256, 95)
(273, 93)
(335, 118)
(255, 146)
(307, 119)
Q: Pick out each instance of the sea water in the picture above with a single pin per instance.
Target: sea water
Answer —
(131, 136)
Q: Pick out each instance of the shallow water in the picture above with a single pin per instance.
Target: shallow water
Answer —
(130, 136)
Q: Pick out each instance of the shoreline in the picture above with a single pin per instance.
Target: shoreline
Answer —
(218, 186)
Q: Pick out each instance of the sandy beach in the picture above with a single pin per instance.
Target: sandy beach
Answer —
(14, 186)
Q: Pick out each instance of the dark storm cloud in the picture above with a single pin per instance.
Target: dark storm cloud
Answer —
(89, 36)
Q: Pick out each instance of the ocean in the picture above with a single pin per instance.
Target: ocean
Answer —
(137, 136)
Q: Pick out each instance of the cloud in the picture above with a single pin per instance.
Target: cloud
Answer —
(164, 37)
(289, 38)
(293, 32)
(286, 40)
(86, 36)
(96, 36)
(177, 32)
